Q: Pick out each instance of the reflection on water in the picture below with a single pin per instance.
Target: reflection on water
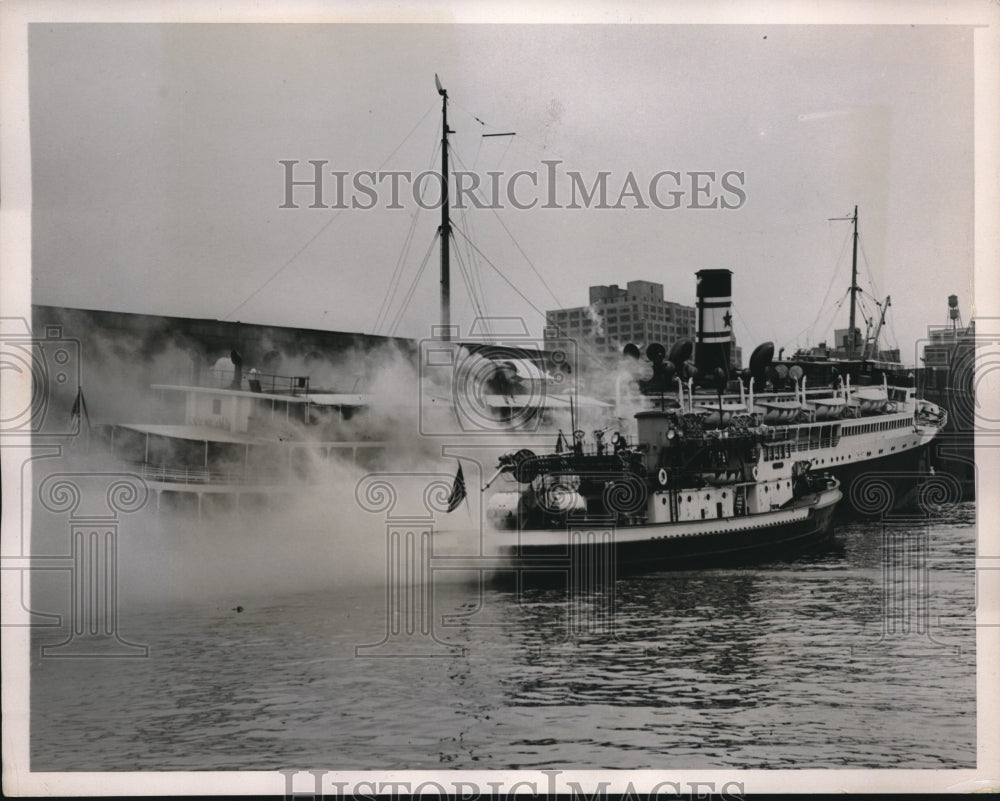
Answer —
(782, 665)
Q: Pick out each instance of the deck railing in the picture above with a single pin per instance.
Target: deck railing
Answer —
(295, 465)
(196, 475)
(263, 382)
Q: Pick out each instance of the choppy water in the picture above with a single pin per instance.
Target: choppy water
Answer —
(776, 666)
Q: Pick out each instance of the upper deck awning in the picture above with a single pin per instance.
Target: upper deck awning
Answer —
(193, 433)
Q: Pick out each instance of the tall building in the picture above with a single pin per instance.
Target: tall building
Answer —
(616, 316)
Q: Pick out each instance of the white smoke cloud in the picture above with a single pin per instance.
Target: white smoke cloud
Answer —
(318, 534)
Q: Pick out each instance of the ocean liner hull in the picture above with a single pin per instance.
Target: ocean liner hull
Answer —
(880, 485)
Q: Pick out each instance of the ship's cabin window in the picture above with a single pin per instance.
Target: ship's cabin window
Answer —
(216, 406)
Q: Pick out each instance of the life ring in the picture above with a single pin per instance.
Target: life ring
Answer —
(753, 472)
(662, 477)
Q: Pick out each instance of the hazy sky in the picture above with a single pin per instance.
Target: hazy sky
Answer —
(157, 182)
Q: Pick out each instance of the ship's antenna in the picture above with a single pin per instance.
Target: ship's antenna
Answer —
(445, 229)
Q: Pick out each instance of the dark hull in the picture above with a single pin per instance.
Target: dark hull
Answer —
(955, 454)
(954, 449)
(879, 486)
(593, 562)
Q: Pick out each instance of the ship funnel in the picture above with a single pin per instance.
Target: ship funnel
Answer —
(714, 322)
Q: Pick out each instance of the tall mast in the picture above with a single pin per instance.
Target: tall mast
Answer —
(852, 339)
(445, 230)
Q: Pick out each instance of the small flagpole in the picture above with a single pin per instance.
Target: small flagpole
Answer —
(80, 414)
(468, 503)
(83, 407)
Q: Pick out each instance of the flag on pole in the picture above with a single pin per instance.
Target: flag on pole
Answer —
(457, 491)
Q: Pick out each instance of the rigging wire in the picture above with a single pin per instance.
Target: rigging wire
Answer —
(391, 290)
(810, 330)
(509, 283)
(868, 269)
(871, 278)
(479, 150)
(512, 239)
(466, 279)
(390, 293)
(825, 329)
(753, 337)
(474, 267)
(475, 273)
(413, 286)
(325, 225)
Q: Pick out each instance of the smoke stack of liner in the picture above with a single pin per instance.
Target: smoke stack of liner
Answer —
(714, 304)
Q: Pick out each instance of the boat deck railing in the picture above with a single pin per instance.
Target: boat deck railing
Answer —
(198, 475)
(312, 455)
